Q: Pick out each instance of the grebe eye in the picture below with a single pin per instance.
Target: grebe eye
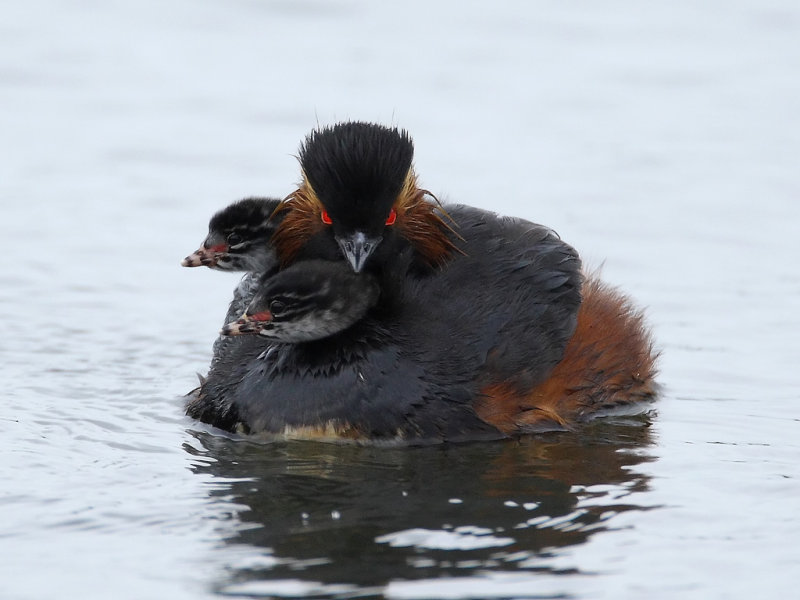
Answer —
(326, 218)
(392, 217)
(276, 307)
(234, 238)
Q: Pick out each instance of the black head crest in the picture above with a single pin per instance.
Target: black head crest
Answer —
(357, 171)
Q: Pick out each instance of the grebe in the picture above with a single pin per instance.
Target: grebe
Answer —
(488, 319)
(238, 239)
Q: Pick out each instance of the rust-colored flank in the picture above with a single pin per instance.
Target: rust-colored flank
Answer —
(609, 362)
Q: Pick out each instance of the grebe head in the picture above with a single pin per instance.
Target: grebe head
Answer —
(357, 171)
(308, 301)
(359, 199)
(238, 238)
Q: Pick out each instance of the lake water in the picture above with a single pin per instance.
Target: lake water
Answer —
(662, 141)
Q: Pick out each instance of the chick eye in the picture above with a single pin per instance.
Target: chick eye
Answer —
(276, 307)
(326, 218)
(392, 217)
(234, 238)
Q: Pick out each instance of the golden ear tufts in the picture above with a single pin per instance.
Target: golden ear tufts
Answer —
(303, 219)
(421, 223)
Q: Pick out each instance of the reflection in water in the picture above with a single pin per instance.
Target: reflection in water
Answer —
(366, 516)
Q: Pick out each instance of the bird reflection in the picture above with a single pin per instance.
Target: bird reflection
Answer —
(366, 516)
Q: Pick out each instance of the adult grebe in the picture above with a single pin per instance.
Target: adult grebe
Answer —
(480, 314)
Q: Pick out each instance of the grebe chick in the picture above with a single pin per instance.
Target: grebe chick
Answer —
(309, 301)
(239, 238)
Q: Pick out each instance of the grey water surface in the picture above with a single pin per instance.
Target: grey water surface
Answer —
(660, 139)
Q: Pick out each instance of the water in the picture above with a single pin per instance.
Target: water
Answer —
(661, 141)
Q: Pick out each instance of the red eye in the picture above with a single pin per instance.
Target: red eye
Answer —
(326, 218)
(391, 218)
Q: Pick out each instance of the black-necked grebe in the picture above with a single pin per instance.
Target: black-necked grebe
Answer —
(484, 325)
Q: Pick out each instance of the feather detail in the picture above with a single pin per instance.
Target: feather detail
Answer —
(424, 223)
(302, 219)
(608, 363)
